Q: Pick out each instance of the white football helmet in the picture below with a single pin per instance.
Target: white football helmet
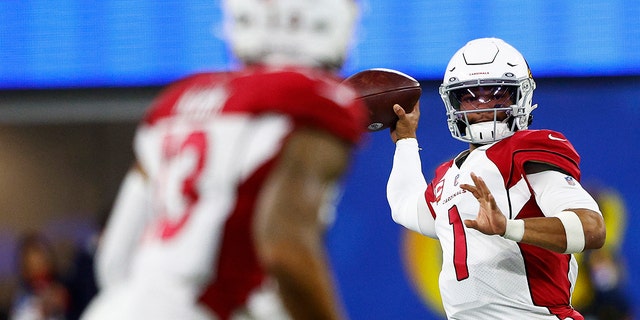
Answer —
(316, 33)
(489, 65)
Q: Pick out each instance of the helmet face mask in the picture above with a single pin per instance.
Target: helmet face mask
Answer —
(487, 76)
(290, 32)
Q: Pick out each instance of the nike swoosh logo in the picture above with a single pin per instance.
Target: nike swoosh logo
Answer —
(551, 137)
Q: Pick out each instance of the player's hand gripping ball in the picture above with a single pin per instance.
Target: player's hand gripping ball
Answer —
(380, 89)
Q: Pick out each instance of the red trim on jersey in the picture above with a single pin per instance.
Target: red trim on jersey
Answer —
(430, 193)
(564, 312)
(547, 271)
(510, 154)
(238, 272)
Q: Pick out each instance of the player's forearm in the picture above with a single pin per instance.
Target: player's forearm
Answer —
(550, 232)
(304, 281)
(571, 210)
(289, 230)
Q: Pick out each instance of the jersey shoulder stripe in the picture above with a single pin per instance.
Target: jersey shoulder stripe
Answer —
(544, 146)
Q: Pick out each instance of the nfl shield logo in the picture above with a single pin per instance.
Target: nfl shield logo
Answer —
(570, 180)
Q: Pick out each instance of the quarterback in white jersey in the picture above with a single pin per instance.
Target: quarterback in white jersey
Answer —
(222, 216)
(510, 211)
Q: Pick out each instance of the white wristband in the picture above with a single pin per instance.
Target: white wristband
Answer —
(573, 231)
(514, 230)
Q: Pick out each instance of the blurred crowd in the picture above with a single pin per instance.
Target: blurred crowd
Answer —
(42, 289)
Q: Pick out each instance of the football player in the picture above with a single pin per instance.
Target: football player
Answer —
(224, 213)
(509, 212)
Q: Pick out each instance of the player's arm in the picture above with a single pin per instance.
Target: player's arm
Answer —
(289, 230)
(123, 230)
(406, 187)
(406, 184)
(572, 221)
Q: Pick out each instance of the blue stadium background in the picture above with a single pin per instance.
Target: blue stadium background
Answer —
(585, 56)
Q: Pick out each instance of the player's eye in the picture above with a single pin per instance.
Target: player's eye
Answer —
(468, 98)
(465, 96)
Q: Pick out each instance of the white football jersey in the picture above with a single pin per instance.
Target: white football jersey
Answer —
(489, 277)
(207, 144)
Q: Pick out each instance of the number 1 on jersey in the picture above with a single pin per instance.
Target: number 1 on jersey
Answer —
(459, 244)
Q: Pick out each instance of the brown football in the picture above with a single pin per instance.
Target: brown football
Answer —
(380, 89)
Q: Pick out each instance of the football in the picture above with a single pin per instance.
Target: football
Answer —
(380, 89)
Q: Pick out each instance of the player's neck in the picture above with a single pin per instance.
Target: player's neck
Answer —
(460, 158)
(473, 146)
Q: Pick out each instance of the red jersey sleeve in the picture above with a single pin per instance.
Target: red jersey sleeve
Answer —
(434, 188)
(544, 146)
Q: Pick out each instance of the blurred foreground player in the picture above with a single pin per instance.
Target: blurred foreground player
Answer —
(224, 214)
(509, 211)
